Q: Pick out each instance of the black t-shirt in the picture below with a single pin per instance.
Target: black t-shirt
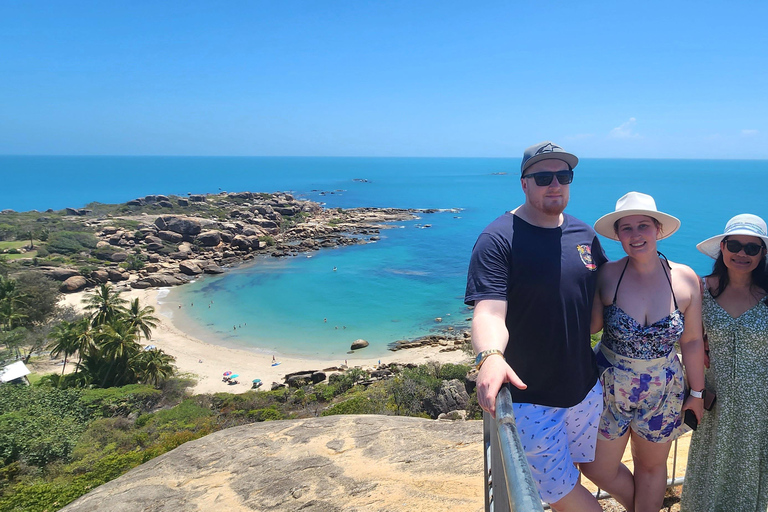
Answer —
(548, 278)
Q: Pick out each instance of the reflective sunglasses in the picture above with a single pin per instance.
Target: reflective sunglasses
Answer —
(543, 179)
(750, 249)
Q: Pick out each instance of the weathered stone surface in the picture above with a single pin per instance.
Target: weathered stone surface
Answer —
(191, 268)
(266, 224)
(162, 280)
(452, 396)
(170, 236)
(116, 274)
(212, 268)
(242, 242)
(100, 276)
(77, 211)
(73, 284)
(119, 256)
(183, 225)
(182, 201)
(336, 463)
(359, 344)
(60, 273)
(209, 238)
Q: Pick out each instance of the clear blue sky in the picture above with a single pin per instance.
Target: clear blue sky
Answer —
(671, 79)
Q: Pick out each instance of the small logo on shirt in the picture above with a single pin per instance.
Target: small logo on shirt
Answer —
(585, 252)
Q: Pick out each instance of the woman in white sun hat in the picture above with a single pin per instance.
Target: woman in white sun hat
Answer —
(645, 304)
(728, 458)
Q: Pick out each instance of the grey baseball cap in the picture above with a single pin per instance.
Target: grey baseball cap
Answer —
(544, 151)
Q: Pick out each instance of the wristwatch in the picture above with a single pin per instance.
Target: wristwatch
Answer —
(485, 354)
(696, 394)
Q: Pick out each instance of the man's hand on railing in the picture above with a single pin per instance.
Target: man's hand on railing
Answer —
(494, 372)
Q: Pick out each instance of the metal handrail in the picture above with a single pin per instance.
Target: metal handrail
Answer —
(509, 485)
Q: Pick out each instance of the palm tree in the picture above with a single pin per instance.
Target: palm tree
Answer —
(117, 344)
(153, 366)
(64, 339)
(84, 340)
(141, 319)
(10, 299)
(104, 305)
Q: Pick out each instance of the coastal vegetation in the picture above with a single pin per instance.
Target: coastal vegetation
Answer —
(57, 444)
(121, 404)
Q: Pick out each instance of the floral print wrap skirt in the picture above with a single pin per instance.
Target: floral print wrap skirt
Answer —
(645, 395)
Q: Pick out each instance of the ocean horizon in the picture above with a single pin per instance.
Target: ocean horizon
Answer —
(394, 288)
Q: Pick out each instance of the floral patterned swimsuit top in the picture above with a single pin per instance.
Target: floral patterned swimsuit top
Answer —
(624, 335)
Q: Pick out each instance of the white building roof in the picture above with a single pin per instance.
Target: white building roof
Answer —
(14, 371)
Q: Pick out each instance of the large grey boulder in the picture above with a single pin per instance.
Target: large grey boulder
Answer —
(329, 464)
(209, 238)
(191, 268)
(170, 236)
(117, 274)
(60, 273)
(73, 284)
(185, 226)
(100, 276)
(157, 280)
(452, 396)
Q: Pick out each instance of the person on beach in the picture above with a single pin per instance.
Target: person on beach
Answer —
(645, 304)
(531, 280)
(728, 457)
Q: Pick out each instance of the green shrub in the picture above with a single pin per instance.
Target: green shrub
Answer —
(266, 414)
(451, 371)
(358, 404)
(104, 253)
(408, 394)
(71, 242)
(121, 401)
(188, 415)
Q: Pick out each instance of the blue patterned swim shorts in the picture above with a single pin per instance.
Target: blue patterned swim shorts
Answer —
(554, 438)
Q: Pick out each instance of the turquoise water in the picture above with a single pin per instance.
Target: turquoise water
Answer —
(394, 288)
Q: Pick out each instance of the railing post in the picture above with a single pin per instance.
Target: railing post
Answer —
(509, 484)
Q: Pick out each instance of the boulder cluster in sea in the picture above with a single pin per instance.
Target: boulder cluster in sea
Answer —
(175, 248)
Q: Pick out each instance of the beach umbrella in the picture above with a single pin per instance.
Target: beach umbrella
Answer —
(227, 373)
(234, 376)
(256, 381)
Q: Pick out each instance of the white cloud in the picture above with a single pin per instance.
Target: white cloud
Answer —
(625, 130)
(748, 133)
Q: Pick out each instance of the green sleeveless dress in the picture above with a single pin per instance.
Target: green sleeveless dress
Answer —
(728, 458)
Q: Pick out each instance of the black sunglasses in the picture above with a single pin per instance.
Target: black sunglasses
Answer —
(543, 179)
(750, 249)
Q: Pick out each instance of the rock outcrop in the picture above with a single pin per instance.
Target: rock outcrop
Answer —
(335, 463)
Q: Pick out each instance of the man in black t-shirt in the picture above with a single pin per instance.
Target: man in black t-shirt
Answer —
(532, 280)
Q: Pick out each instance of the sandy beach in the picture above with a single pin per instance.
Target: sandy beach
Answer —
(207, 362)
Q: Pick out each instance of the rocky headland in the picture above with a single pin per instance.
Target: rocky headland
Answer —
(143, 246)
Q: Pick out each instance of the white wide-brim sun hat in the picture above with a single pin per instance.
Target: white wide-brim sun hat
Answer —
(636, 203)
(742, 224)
